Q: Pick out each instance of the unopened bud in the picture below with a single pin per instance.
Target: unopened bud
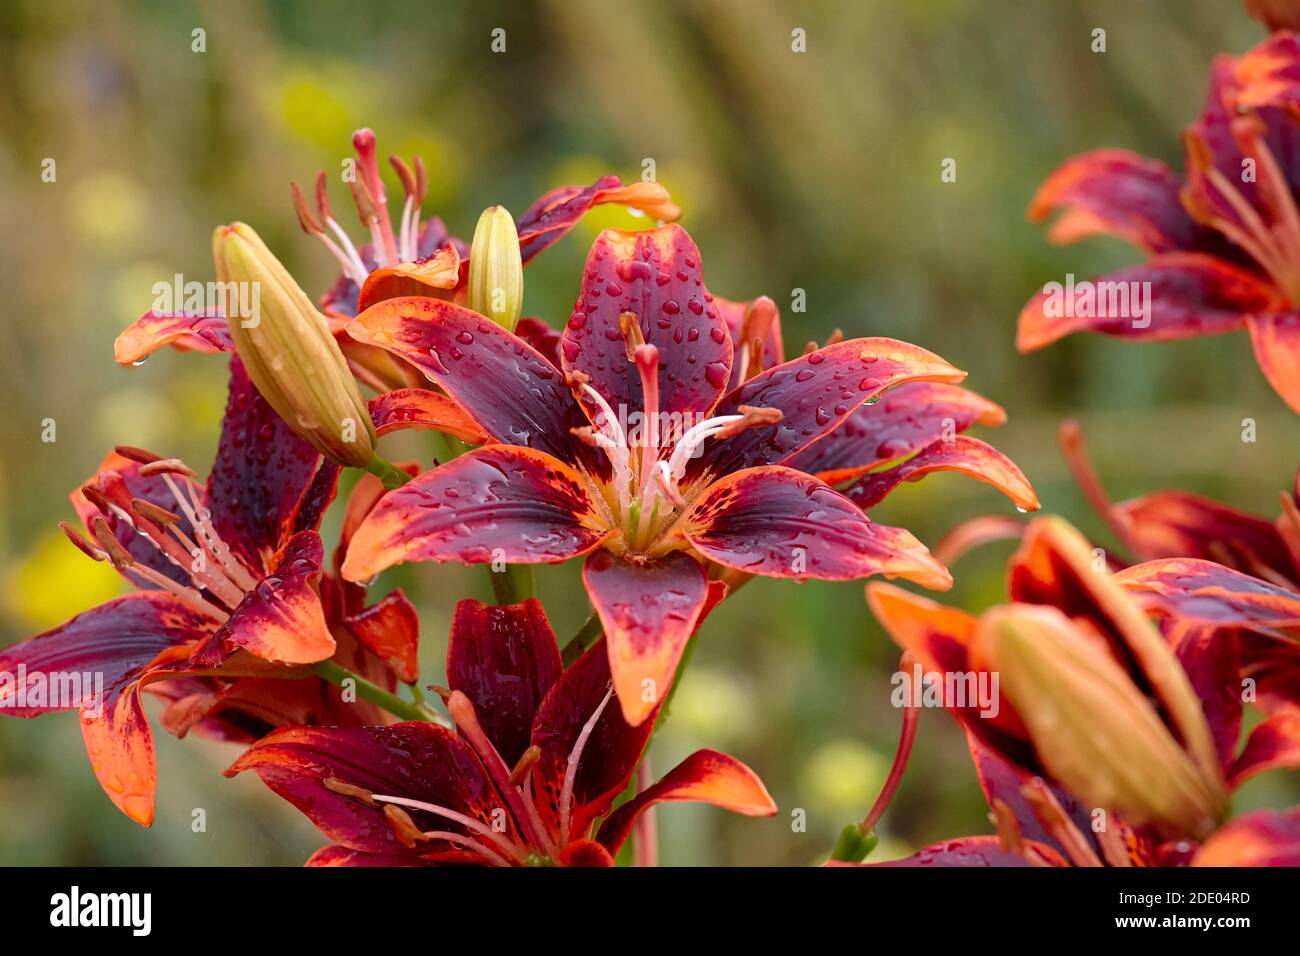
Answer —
(1094, 731)
(496, 271)
(288, 350)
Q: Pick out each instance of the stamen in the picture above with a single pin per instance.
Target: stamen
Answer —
(571, 771)
(152, 512)
(1070, 437)
(906, 738)
(512, 851)
(467, 724)
(489, 856)
(525, 764)
(667, 484)
(82, 544)
(117, 555)
(306, 218)
(1057, 824)
(403, 827)
(140, 455)
(349, 790)
(632, 337)
(168, 466)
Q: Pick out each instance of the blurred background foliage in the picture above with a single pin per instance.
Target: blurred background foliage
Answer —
(817, 171)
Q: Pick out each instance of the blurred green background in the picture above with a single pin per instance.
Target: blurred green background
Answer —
(817, 171)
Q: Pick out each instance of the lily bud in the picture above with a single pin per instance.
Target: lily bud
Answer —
(496, 270)
(1094, 731)
(288, 350)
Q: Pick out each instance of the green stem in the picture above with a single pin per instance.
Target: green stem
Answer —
(512, 585)
(387, 472)
(585, 637)
(368, 690)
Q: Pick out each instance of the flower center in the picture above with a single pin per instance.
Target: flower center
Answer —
(218, 582)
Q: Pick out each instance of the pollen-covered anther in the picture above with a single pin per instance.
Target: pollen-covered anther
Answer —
(168, 466)
(80, 541)
(118, 555)
(574, 382)
(630, 326)
(306, 218)
(403, 827)
(525, 763)
(152, 512)
(349, 790)
(141, 456)
(750, 416)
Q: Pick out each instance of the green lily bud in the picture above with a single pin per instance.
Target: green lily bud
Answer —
(496, 270)
(286, 346)
(1095, 732)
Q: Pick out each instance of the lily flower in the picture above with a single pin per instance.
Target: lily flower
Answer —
(1099, 711)
(1223, 240)
(229, 602)
(538, 755)
(634, 453)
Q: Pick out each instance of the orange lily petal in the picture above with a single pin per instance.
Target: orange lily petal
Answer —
(421, 409)
(963, 454)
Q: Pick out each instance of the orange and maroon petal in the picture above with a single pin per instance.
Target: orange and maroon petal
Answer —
(609, 757)
(547, 220)
(262, 476)
(758, 320)
(1193, 590)
(1269, 74)
(435, 275)
(706, 776)
(1116, 192)
(114, 641)
(422, 409)
(655, 275)
(120, 745)
(541, 337)
(505, 385)
(648, 611)
(336, 855)
(504, 659)
(963, 454)
(415, 760)
(1176, 524)
(281, 619)
(976, 851)
(1275, 337)
(905, 420)
(493, 503)
(780, 522)
(1190, 295)
(187, 333)
(1258, 838)
(390, 630)
(816, 393)
(1273, 745)
(1211, 659)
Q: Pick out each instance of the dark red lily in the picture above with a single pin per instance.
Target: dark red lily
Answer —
(536, 761)
(232, 598)
(1223, 241)
(636, 452)
(1191, 681)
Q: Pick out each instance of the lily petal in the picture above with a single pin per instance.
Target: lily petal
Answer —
(1274, 744)
(976, 851)
(706, 776)
(969, 456)
(656, 276)
(780, 522)
(906, 419)
(504, 659)
(261, 477)
(1191, 294)
(282, 619)
(1116, 192)
(515, 504)
(187, 333)
(1258, 838)
(336, 855)
(1203, 591)
(1275, 337)
(816, 393)
(421, 409)
(514, 394)
(547, 220)
(415, 760)
(435, 276)
(648, 612)
(390, 630)
(609, 756)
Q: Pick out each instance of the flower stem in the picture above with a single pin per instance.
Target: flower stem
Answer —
(585, 637)
(368, 690)
(387, 472)
(512, 585)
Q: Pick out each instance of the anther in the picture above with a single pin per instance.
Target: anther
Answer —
(168, 466)
(632, 337)
(140, 455)
(525, 764)
(749, 418)
(152, 512)
(306, 218)
(349, 790)
(118, 555)
(403, 827)
(85, 546)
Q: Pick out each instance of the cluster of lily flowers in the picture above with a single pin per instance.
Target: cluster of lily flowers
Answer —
(662, 436)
